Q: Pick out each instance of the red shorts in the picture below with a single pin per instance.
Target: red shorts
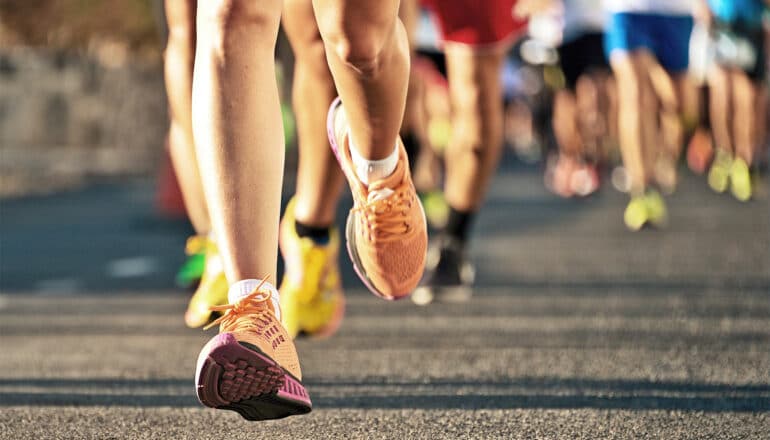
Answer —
(476, 22)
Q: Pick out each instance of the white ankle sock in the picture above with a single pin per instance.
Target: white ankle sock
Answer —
(373, 170)
(245, 287)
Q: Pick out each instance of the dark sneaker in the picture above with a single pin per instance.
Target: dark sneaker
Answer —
(449, 274)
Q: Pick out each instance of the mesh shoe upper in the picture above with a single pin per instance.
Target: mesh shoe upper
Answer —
(387, 224)
(254, 319)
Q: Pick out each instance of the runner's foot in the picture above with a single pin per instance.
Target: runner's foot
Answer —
(212, 289)
(635, 215)
(386, 230)
(740, 180)
(719, 174)
(251, 366)
(312, 300)
(192, 269)
(648, 208)
(657, 214)
(449, 276)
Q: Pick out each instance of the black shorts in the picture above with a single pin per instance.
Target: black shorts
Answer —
(582, 55)
(436, 57)
(727, 36)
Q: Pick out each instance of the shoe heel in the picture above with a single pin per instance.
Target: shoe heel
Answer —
(239, 377)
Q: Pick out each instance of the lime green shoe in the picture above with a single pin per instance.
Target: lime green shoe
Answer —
(636, 213)
(312, 300)
(740, 180)
(436, 208)
(192, 269)
(212, 290)
(719, 174)
(439, 133)
(657, 214)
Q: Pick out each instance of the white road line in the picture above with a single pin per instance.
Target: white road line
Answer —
(132, 267)
(57, 286)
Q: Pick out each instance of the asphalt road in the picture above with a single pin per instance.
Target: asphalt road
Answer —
(578, 329)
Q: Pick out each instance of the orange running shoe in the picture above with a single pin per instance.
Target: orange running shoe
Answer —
(386, 233)
(251, 366)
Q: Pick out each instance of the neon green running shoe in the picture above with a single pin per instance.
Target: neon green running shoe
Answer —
(436, 208)
(192, 269)
(312, 299)
(635, 215)
(719, 174)
(740, 180)
(657, 214)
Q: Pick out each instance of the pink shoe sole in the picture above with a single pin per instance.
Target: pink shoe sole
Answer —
(237, 376)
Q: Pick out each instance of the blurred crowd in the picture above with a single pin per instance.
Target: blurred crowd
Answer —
(564, 91)
(598, 92)
(564, 101)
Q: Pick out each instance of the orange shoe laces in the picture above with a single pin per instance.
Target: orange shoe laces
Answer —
(387, 219)
(252, 306)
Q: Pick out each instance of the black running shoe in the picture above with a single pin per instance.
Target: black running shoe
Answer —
(448, 276)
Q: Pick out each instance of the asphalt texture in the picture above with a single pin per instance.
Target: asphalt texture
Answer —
(577, 328)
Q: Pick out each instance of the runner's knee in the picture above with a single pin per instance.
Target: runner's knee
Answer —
(359, 45)
(231, 22)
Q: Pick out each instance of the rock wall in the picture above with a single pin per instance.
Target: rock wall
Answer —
(66, 117)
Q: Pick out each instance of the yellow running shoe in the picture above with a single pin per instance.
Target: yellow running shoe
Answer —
(212, 290)
(719, 174)
(387, 236)
(740, 180)
(657, 214)
(312, 300)
(635, 215)
(251, 366)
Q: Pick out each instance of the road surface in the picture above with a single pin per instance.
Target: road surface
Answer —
(578, 329)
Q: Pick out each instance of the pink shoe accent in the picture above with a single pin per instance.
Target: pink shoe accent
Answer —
(239, 377)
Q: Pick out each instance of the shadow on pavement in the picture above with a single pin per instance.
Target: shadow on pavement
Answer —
(516, 393)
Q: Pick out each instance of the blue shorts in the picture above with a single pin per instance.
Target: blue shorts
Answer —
(666, 36)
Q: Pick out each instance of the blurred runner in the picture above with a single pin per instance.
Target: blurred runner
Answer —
(738, 93)
(252, 367)
(312, 297)
(700, 150)
(203, 265)
(476, 36)
(581, 114)
(647, 44)
(312, 300)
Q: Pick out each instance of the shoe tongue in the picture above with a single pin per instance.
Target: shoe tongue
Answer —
(244, 288)
(379, 194)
